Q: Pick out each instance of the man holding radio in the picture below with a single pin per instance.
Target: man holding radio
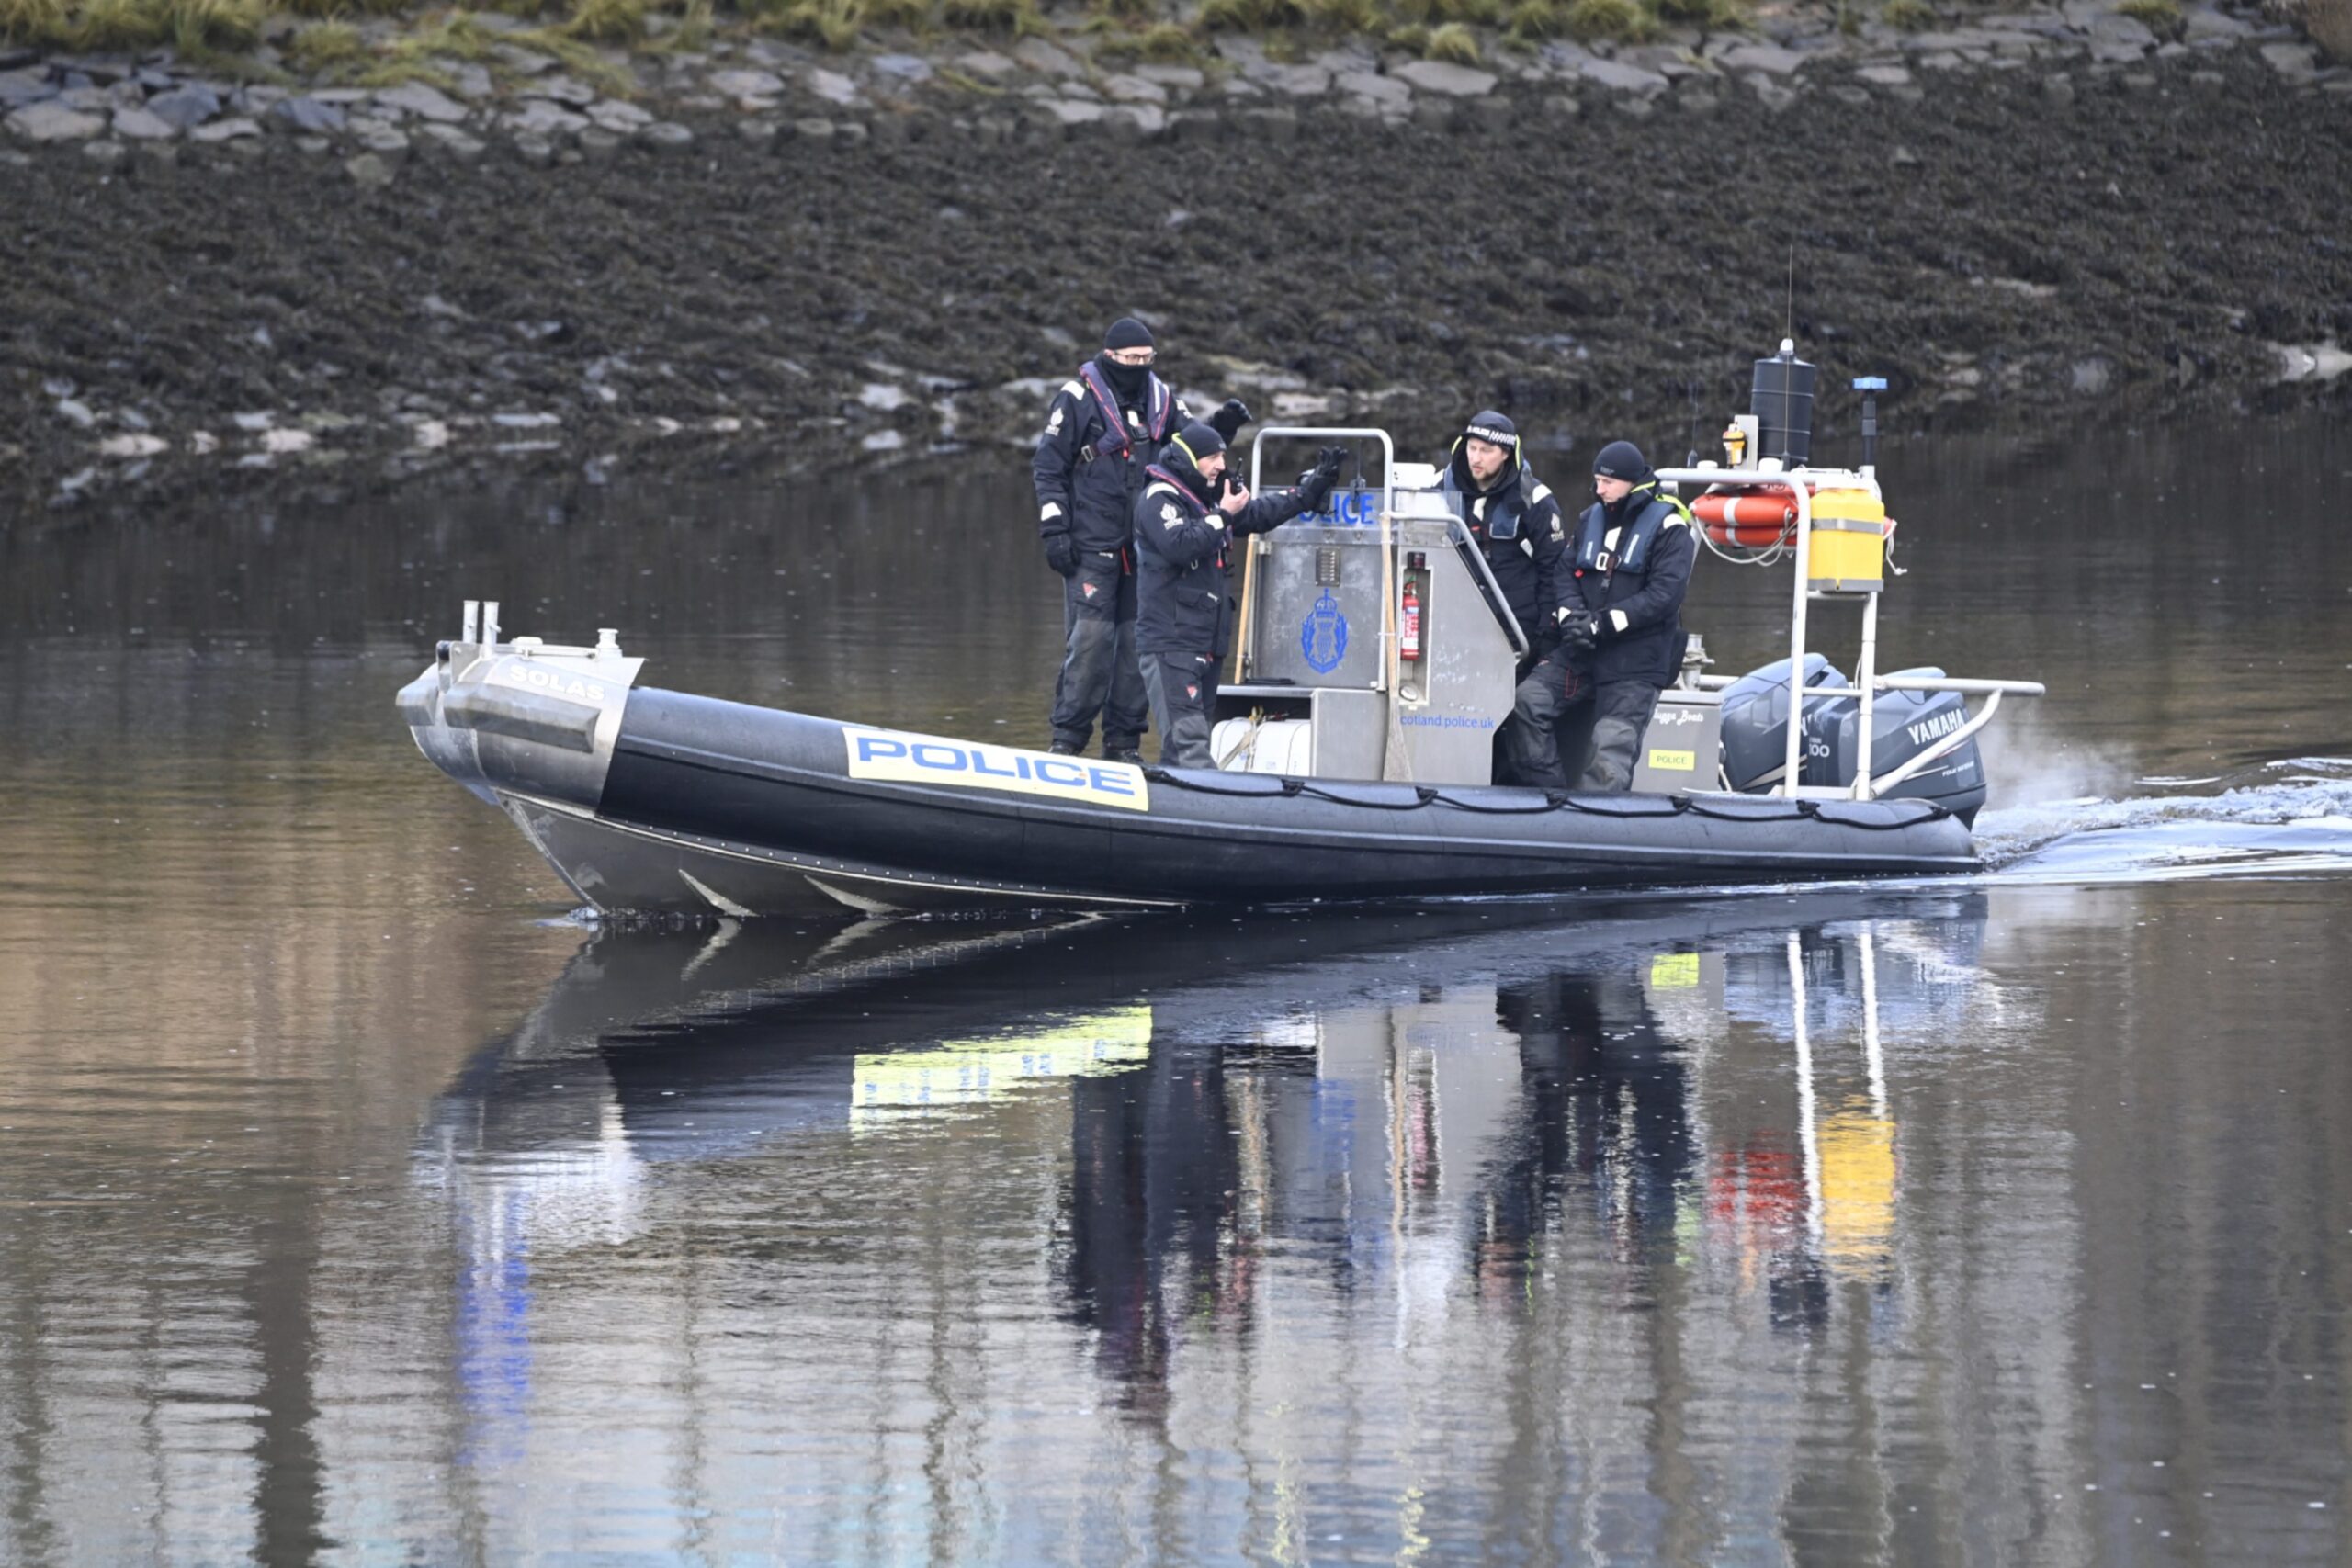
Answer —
(1185, 524)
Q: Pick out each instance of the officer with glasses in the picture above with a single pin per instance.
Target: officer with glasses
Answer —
(1105, 426)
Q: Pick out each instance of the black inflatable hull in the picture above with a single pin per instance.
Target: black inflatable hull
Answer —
(712, 807)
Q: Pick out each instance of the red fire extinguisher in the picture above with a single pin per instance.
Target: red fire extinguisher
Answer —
(1408, 633)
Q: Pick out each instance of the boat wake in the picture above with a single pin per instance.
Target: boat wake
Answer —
(2288, 817)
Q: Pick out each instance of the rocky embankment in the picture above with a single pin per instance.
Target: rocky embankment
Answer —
(752, 252)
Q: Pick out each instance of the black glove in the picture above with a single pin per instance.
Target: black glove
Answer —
(1314, 489)
(1230, 416)
(1579, 630)
(1315, 485)
(1061, 554)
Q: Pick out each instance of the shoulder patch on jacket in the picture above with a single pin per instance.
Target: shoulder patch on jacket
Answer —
(1542, 493)
(1172, 515)
(1073, 389)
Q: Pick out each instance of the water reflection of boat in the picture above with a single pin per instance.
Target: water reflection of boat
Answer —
(1417, 1094)
(1561, 1179)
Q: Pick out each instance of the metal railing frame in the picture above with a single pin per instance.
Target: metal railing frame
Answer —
(1868, 683)
(1246, 654)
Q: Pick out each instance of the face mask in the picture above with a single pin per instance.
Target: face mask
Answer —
(1127, 380)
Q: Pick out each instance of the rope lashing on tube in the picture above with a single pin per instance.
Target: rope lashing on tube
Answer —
(1878, 820)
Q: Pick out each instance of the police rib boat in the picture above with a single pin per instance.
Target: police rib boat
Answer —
(1352, 766)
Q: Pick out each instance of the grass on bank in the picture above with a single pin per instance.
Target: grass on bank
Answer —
(332, 40)
(192, 27)
(218, 31)
(2161, 18)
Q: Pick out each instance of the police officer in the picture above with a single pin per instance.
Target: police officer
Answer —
(1185, 525)
(1104, 425)
(1516, 520)
(1620, 633)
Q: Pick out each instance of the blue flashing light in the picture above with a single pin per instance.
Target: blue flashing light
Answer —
(1869, 383)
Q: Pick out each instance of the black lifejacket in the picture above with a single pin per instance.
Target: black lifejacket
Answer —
(1518, 532)
(1601, 578)
(1506, 506)
(1160, 404)
(1634, 539)
(1181, 607)
(1158, 474)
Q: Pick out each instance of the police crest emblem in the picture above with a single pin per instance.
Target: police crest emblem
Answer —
(1323, 636)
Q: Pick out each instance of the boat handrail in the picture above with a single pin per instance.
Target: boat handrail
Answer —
(1246, 654)
(1967, 687)
(1464, 541)
(1796, 479)
(1991, 691)
(1466, 545)
(1345, 433)
(1952, 742)
(1799, 483)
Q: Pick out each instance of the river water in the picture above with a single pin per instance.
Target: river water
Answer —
(361, 1204)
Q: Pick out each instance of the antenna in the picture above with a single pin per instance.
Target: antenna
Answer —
(1790, 330)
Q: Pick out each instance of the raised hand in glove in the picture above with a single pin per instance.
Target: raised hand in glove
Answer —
(1061, 554)
(1315, 485)
(1230, 416)
(1580, 630)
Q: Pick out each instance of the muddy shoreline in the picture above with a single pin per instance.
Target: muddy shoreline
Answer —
(2059, 239)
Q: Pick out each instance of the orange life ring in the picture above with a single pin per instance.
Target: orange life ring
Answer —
(1756, 521)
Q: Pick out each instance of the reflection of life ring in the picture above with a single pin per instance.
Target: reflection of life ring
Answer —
(1754, 521)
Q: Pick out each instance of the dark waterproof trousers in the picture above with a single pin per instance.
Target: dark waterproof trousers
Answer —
(1184, 694)
(1099, 673)
(1563, 726)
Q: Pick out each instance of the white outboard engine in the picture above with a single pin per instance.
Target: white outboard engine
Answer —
(1903, 725)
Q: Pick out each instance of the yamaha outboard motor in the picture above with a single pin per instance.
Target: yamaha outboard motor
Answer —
(1755, 725)
(1903, 725)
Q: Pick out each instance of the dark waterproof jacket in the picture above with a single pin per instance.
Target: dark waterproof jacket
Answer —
(1089, 465)
(1183, 547)
(1631, 566)
(1518, 525)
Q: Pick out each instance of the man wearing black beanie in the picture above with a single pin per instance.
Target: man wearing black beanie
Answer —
(1104, 425)
(1186, 523)
(1513, 516)
(1514, 520)
(1621, 633)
